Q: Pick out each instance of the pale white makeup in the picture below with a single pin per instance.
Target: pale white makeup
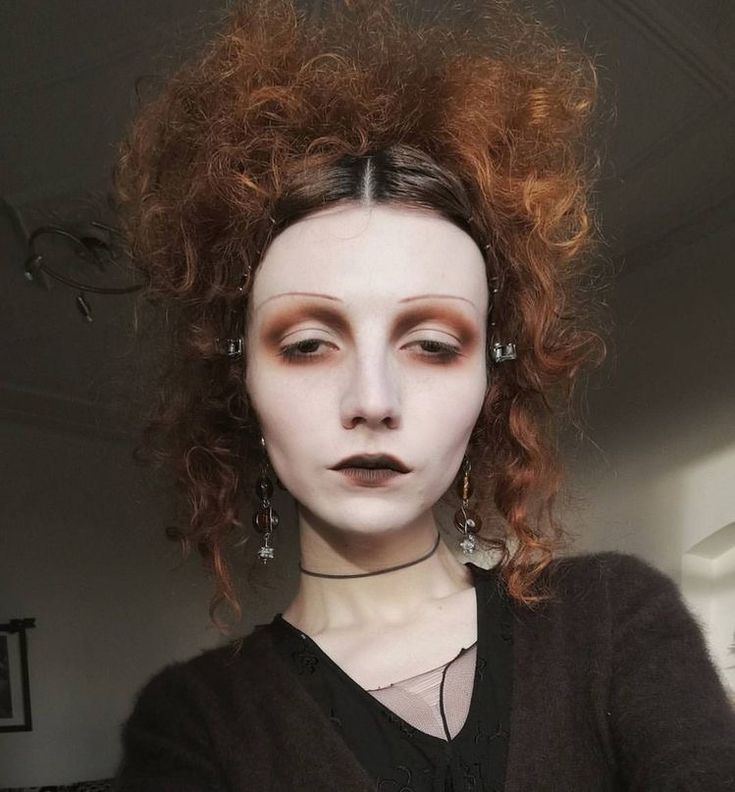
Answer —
(368, 375)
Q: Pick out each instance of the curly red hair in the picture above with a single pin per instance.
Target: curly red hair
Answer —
(482, 116)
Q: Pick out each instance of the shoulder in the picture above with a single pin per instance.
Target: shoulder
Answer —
(206, 680)
(604, 611)
(597, 592)
(182, 718)
(604, 574)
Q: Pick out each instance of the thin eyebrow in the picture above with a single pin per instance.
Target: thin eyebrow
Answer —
(337, 299)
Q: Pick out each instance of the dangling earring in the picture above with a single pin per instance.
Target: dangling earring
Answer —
(466, 521)
(265, 519)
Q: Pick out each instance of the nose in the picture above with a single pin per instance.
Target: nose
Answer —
(372, 391)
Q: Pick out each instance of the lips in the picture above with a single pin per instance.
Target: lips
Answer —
(372, 461)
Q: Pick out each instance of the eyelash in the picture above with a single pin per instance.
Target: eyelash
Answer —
(446, 352)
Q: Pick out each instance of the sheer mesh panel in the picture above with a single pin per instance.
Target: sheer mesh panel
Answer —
(417, 699)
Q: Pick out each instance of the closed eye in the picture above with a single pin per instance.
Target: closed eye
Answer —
(438, 351)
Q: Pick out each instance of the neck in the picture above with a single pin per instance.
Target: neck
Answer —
(393, 598)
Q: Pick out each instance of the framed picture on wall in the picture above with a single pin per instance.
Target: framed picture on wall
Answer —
(15, 688)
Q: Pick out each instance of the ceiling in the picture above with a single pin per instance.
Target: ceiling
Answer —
(67, 88)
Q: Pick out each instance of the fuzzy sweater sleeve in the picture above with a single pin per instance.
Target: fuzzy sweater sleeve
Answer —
(166, 747)
(673, 726)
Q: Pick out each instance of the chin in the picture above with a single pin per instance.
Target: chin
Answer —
(373, 517)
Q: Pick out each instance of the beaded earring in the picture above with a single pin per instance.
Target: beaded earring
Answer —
(265, 518)
(467, 522)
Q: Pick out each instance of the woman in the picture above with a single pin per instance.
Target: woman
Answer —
(372, 248)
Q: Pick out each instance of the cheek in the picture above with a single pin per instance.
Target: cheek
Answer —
(457, 399)
(290, 417)
(444, 419)
(282, 410)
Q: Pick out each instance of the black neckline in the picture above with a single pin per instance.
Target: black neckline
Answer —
(481, 642)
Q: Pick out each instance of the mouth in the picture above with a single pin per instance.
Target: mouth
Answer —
(373, 462)
(369, 477)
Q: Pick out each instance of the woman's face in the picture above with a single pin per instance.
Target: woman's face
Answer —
(366, 334)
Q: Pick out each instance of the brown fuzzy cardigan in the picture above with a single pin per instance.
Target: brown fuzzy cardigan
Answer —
(612, 690)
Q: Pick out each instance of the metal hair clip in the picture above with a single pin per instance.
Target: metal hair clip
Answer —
(244, 278)
(232, 347)
(501, 352)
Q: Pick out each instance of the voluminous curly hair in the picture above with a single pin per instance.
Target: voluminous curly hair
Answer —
(480, 114)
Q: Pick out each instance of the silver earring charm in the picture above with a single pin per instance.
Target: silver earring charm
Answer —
(466, 521)
(265, 519)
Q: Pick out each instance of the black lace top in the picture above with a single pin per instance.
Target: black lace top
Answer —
(473, 700)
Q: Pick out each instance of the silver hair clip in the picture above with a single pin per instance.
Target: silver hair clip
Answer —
(501, 352)
(232, 347)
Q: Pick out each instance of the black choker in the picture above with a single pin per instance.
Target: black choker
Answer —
(380, 571)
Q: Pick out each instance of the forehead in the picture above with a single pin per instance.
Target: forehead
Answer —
(362, 253)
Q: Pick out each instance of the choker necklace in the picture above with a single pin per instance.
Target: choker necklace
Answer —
(380, 571)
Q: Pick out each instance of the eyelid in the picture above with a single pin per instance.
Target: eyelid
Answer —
(447, 352)
(305, 329)
(445, 334)
(282, 322)
(407, 319)
(443, 331)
